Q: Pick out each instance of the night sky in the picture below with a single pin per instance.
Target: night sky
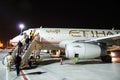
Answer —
(60, 14)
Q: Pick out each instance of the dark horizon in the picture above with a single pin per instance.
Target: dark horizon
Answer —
(59, 14)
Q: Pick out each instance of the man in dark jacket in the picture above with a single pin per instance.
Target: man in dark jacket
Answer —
(27, 42)
(19, 47)
(17, 63)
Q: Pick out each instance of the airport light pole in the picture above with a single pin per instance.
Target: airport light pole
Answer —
(21, 27)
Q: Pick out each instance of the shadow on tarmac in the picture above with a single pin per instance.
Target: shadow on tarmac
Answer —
(87, 62)
(47, 62)
(35, 65)
(90, 62)
(35, 73)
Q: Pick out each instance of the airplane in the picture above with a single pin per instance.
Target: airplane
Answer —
(86, 43)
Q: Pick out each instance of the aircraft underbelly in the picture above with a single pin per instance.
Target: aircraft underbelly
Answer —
(51, 46)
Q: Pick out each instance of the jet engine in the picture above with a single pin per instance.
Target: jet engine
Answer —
(83, 50)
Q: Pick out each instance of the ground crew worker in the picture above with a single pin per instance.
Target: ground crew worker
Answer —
(31, 35)
(76, 57)
(9, 61)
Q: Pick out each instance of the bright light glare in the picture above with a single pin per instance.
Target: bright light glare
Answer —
(21, 26)
(114, 60)
(113, 54)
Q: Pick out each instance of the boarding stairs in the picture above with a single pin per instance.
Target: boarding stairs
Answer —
(34, 45)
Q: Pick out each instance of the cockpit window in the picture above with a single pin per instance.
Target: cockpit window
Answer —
(21, 33)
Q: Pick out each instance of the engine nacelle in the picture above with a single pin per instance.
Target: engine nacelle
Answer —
(84, 50)
(64, 43)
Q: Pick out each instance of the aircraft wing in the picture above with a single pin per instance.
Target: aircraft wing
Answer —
(110, 37)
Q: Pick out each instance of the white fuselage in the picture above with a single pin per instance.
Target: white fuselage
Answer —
(51, 37)
(60, 34)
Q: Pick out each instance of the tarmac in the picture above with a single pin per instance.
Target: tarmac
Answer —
(49, 69)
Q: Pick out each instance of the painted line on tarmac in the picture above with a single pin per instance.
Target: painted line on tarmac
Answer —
(24, 76)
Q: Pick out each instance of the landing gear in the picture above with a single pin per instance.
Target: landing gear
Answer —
(106, 59)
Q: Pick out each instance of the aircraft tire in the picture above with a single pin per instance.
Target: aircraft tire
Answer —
(106, 59)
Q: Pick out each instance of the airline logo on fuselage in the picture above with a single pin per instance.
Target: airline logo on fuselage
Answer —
(85, 33)
(91, 33)
(53, 31)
